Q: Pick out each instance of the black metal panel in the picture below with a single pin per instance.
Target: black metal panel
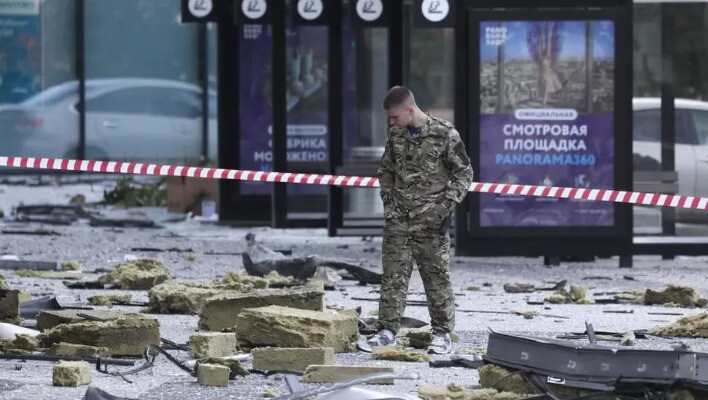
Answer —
(335, 121)
(279, 197)
(396, 40)
(595, 363)
(535, 4)
(81, 74)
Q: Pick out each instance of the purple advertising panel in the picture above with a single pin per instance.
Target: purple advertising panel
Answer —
(307, 105)
(547, 118)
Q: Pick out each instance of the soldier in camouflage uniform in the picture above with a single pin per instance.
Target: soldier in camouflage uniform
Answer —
(424, 173)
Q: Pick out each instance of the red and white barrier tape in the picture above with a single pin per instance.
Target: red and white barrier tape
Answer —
(605, 195)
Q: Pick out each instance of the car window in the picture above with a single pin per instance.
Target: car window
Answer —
(53, 95)
(646, 125)
(153, 101)
(699, 119)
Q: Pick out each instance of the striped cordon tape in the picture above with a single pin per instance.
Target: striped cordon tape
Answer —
(605, 195)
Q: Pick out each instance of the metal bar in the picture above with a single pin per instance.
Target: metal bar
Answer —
(279, 205)
(38, 357)
(203, 78)
(668, 110)
(335, 96)
(80, 45)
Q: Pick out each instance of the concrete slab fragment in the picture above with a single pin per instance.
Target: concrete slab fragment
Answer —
(71, 373)
(338, 373)
(291, 359)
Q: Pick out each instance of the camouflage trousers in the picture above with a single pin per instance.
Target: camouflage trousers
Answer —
(404, 244)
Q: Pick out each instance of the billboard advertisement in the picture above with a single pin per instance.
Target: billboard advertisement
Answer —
(20, 67)
(547, 118)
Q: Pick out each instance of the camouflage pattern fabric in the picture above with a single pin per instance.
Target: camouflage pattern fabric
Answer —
(422, 178)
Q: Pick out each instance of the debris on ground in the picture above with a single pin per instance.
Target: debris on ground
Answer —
(291, 327)
(270, 393)
(260, 260)
(417, 338)
(493, 376)
(222, 310)
(122, 337)
(126, 194)
(473, 288)
(398, 354)
(671, 296)
(71, 373)
(519, 288)
(71, 266)
(22, 344)
(188, 297)
(576, 295)
(212, 375)
(628, 339)
(10, 306)
(291, 359)
(141, 274)
(64, 349)
(212, 344)
(109, 300)
(477, 351)
(338, 373)
(52, 318)
(3, 285)
(691, 326)
(234, 366)
(30, 273)
(455, 392)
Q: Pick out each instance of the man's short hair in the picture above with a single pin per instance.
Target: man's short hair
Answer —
(397, 96)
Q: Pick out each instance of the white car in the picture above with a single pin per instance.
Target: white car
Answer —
(126, 119)
(691, 148)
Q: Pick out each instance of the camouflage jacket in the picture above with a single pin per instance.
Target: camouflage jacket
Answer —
(423, 176)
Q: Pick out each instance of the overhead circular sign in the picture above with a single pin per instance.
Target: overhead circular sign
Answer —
(369, 10)
(435, 10)
(310, 9)
(254, 9)
(200, 8)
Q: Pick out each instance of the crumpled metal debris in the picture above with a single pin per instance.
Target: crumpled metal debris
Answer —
(260, 260)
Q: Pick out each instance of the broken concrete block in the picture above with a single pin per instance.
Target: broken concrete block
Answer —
(338, 373)
(213, 375)
(418, 338)
(122, 337)
(50, 319)
(140, 274)
(519, 288)
(235, 367)
(490, 377)
(578, 294)
(454, 392)
(255, 281)
(63, 349)
(221, 311)
(71, 373)
(188, 298)
(23, 343)
(109, 300)
(277, 326)
(398, 354)
(10, 306)
(71, 266)
(691, 326)
(3, 285)
(291, 359)
(683, 296)
(212, 344)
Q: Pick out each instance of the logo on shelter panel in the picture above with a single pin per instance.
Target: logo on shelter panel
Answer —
(369, 10)
(435, 10)
(254, 9)
(310, 9)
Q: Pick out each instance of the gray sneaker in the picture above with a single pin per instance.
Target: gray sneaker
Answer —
(383, 338)
(441, 343)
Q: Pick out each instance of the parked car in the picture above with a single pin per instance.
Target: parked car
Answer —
(126, 119)
(691, 146)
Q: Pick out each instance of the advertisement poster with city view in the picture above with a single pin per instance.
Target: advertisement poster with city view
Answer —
(547, 118)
